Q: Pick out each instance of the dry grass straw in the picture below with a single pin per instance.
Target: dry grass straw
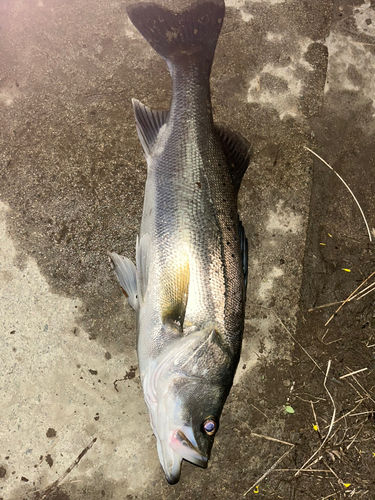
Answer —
(316, 421)
(262, 436)
(260, 411)
(347, 414)
(296, 341)
(293, 337)
(304, 470)
(307, 466)
(362, 413)
(268, 438)
(357, 296)
(308, 462)
(269, 470)
(354, 438)
(349, 298)
(353, 373)
(254, 434)
(347, 187)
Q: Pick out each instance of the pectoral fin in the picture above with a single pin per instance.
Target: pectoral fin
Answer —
(175, 291)
(143, 252)
(127, 276)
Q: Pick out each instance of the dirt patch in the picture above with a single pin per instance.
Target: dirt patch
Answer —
(332, 425)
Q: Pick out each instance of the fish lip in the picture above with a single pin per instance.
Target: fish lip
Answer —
(187, 450)
(173, 479)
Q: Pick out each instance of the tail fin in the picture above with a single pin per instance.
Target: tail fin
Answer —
(191, 33)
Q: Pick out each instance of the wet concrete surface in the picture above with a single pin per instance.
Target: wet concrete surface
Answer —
(287, 74)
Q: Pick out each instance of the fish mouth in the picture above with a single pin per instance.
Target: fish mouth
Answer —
(180, 446)
(183, 443)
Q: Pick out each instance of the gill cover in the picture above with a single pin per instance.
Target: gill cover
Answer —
(185, 401)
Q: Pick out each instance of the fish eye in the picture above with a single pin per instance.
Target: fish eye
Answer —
(210, 426)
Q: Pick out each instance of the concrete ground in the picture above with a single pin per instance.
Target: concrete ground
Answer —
(287, 74)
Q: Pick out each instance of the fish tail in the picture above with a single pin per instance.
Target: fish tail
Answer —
(191, 34)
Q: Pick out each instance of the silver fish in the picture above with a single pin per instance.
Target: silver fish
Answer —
(188, 285)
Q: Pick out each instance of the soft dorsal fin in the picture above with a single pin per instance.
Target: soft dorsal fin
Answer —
(175, 291)
(244, 251)
(237, 151)
(127, 276)
(148, 123)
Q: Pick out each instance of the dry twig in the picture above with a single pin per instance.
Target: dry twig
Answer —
(51, 488)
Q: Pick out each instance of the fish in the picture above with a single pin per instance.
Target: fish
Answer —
(188, 285)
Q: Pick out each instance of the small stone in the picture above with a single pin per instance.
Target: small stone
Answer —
(49, 460)
(51, 433)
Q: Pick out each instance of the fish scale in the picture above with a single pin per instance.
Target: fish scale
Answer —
(188, 286)
(203, 213)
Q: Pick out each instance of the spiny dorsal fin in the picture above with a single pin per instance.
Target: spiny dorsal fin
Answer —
(237, 151)
(127, 276)
(148, 123)
(175, 291)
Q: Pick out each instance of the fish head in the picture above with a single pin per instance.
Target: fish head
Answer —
(185, 395)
